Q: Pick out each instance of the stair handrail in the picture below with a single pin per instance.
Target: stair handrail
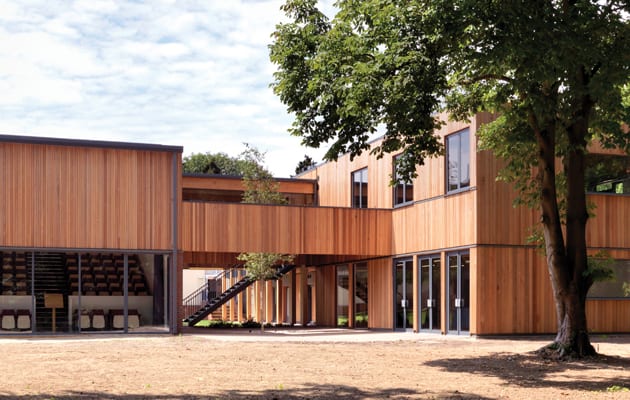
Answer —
(229, 293)
(202, 295)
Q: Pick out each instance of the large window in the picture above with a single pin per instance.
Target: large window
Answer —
(360, 188)
(361, 295)
(403, 191)
(342, 295)
(618, 287)
(458, 161)
(607, 173)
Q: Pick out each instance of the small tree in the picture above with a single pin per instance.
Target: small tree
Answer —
(215, 164)
(260, 188)
(304, 165)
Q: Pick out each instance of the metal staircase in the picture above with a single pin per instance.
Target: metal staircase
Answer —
(224, 297)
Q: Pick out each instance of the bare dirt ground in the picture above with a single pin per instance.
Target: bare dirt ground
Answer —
(305, 364)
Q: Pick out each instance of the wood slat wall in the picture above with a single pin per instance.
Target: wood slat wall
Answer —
(513, 295)
(85, 197)
(512, 291)
(335, 177)
(609, 226)
(326, 298)
(219, 227)
(380, 294)
(607, 316)
(437, 224)
(303, 186)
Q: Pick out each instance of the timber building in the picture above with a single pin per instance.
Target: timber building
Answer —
(94, 236)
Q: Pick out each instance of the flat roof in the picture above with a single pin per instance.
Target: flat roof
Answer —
(88, 143)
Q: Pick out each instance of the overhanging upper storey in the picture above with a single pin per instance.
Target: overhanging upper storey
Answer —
(62, 193)
(236, 228)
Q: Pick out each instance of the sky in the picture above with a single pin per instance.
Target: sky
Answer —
(189, 73)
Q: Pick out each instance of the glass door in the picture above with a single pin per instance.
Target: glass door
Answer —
(458, 292)
(430, 292)
(403, 294)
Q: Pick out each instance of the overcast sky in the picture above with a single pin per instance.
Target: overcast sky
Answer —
(188, 73)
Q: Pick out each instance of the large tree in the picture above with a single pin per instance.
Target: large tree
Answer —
(555, 72)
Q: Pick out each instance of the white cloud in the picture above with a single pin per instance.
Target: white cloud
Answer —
(191, 73)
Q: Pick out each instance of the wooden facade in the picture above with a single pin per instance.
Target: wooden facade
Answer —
(96, 224)
(444, 262)
(63, 196)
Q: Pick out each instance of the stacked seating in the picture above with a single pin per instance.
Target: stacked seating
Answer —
(90, 319)
(117, 319)
(14, 274)
(98, 320)
(15, 320)
(103, 275)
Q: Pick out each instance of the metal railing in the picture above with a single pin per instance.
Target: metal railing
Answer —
(211, 289)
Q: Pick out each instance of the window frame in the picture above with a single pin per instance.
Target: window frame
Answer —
(363, 187)
(403, 185)
(615, 283)
(447, 169)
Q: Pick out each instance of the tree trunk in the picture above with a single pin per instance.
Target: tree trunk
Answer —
(567, 263)
(573, 339)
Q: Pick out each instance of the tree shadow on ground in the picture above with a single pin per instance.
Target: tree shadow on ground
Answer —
(307, 391)
(531, 370)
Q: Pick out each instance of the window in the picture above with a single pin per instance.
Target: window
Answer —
(458, 161)
(359, 188)
(618, 287)
(361, 295)
(607, 174)
(342, 295)
(403, 191)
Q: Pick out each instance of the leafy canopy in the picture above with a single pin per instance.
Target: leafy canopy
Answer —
(216, 164)
(393, 64)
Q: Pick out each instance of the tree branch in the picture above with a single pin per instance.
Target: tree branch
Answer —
(485, 77)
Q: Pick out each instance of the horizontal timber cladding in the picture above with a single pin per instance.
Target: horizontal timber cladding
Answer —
(86, 197)
(223, 227)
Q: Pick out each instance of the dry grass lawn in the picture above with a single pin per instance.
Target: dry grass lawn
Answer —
(217, 366)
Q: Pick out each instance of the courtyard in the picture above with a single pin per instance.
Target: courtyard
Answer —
(312, 364)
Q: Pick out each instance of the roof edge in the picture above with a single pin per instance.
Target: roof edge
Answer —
(89, 143)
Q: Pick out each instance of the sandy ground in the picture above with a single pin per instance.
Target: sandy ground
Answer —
(314, 364)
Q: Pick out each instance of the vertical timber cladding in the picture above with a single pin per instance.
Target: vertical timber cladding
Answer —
(74, 196)
(381, 294)
(513, 292)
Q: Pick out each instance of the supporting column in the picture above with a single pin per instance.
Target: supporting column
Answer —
(269, 300)
(417, 307)
(239, 310)
(301, 295)
(293, 299)
(279, 301)
(351, 295)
